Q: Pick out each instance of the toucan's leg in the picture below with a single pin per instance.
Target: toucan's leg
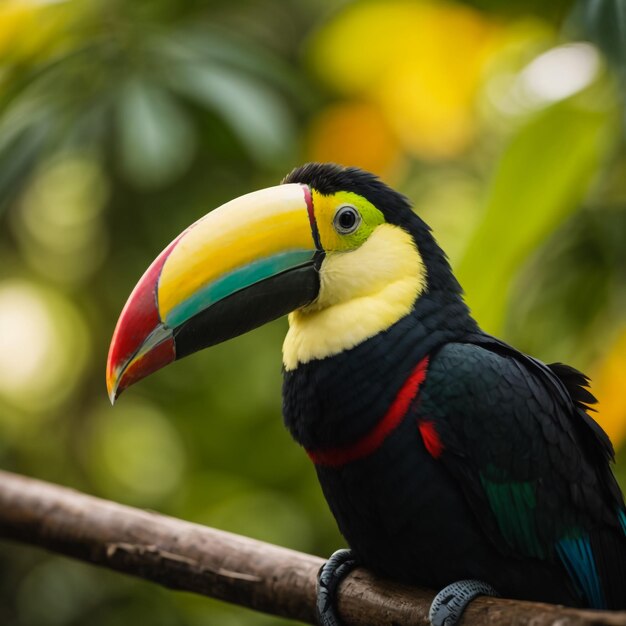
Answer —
(449, 604)
(338, 566)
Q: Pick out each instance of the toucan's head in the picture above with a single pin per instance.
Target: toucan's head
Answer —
(333, 246)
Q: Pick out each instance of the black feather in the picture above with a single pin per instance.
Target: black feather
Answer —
(576, 384)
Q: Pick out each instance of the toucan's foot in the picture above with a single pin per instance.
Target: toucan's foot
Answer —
(449, 604)
(338, 566)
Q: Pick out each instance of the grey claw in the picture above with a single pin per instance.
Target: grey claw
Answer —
(448, 606)
(338, 566)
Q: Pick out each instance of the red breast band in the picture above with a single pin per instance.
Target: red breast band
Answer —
(370, 442)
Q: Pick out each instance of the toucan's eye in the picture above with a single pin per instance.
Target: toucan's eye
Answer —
(347, 219)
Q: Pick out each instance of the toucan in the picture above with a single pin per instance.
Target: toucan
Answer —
(448, 458)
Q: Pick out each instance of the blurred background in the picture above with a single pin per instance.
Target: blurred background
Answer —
(123, 122)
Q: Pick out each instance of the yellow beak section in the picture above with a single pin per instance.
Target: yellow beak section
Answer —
(247, 262)
(247, 239)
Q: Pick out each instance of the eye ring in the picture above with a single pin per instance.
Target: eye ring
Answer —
(347, 219)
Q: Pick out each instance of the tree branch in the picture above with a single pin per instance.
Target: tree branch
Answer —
(189, 557)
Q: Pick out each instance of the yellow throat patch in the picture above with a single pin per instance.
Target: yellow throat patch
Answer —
(363, 291)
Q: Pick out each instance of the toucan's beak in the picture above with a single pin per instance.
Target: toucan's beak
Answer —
(242, 265)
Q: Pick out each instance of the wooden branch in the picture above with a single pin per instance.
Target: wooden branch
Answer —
(189, 557)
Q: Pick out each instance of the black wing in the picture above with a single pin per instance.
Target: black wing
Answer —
(532, 463)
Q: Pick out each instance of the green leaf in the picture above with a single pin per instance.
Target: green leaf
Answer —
(541, 178)
(256, 115)
(208, 44)
(605, 24)
(24, 133)
(156, 138)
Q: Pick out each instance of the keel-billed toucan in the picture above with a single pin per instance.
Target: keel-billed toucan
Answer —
(445, 454)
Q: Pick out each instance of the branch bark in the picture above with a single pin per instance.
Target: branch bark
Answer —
(185, 556)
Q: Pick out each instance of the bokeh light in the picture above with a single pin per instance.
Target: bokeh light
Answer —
(556, 74)
(609, 388)
(560, 72)
(134, 453)
(59, 224)
(421, 63)
(43, 346)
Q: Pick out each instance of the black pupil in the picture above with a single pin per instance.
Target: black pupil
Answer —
(347, 219)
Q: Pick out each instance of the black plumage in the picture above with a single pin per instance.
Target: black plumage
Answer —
(520, 493)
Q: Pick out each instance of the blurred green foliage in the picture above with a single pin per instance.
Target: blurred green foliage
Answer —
(540, 184)
(123, 122)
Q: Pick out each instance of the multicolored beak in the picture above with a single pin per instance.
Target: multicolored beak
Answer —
(246, 263)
